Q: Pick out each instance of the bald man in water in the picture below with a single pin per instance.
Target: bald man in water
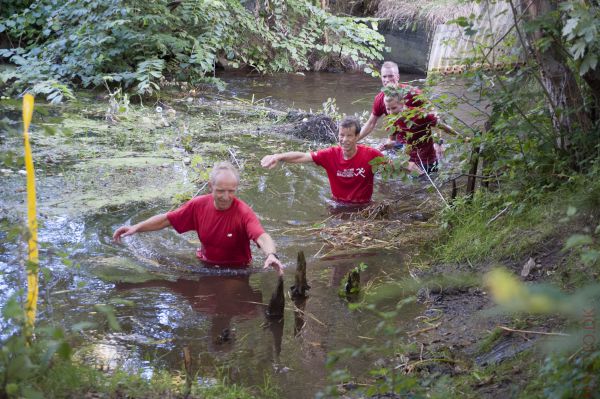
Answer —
(225, 224)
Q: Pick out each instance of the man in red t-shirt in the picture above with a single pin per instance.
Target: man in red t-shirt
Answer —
(225, 224)
(347, 165)
(412, 128)
(390, 77)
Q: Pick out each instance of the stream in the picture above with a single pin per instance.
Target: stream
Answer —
(94, 175)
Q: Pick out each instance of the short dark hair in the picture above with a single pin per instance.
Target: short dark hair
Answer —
(351, 121)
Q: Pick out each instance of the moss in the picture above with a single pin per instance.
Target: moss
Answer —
(505, 379)
(486, 344)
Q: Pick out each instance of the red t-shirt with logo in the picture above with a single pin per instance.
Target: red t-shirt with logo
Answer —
(225, 235)
(379, 104)
(351, 180)
(416, 134)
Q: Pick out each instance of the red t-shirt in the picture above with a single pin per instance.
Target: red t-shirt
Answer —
(225, 235)
(417, 135)
(351, 180)
(409, 98)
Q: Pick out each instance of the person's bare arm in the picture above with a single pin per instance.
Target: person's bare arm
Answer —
(270, 161)
(448, 129)
(368, 126)
(267, 245)
(154, 223)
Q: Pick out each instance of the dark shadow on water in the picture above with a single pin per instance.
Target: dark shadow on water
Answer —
(223, 297)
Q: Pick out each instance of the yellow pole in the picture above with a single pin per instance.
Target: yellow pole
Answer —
(32, 269)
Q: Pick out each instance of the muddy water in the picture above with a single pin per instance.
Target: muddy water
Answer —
(93, 176)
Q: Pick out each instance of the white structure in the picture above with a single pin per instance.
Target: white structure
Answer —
(493, 44)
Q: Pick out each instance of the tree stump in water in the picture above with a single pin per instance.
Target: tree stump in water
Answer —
(277, 302)
(352, 285)
(300, 286)
(314, 127)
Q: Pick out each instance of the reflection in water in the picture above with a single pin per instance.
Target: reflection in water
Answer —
(276, 328)
(222, 297)
(277, 302)
(299, 321)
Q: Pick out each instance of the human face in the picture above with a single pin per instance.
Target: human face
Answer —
(389, 76)
(223, 190)
(393, 106)
(348, 139)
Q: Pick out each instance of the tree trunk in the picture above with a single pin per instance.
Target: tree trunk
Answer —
(563, 94)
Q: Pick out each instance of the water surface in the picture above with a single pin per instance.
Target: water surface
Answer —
(93, 176)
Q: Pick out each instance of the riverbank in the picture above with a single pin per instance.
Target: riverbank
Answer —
(520, 337)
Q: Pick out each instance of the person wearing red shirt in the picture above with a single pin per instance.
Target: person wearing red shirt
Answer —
(225, 224)
(412, 128)
(390, 77)
(347, 165)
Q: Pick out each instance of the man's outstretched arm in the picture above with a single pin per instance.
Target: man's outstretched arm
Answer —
(267, 245)
(448, 129)
(270, 161)
(368, 126)
(154, 223)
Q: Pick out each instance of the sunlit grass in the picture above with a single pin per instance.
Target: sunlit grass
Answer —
(508, 230)
(70, 379)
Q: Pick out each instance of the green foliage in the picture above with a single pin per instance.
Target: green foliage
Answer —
(581, 32)
(566, 377)
(22, 362)
(62, 43)
(531, 139)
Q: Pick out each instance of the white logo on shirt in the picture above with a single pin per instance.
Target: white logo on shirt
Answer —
(229, 235)
(351, 172)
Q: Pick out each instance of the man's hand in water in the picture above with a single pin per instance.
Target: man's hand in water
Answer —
(272, 261)
(269, 161)
(124, 231)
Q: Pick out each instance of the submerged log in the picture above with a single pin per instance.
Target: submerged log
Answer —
(300, 286)
(277, 303)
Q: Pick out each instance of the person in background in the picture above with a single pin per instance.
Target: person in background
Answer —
(412, 129)
(225, 224)
(390, 77)
(347, 165)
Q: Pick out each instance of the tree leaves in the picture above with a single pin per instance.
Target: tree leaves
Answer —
(82, 41)
(581, 32)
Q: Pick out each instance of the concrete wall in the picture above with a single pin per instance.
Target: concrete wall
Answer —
(453, 51)
(408, 48)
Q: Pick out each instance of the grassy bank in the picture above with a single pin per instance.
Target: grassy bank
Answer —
(507, 333)
(552, 304)
(559, 227)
